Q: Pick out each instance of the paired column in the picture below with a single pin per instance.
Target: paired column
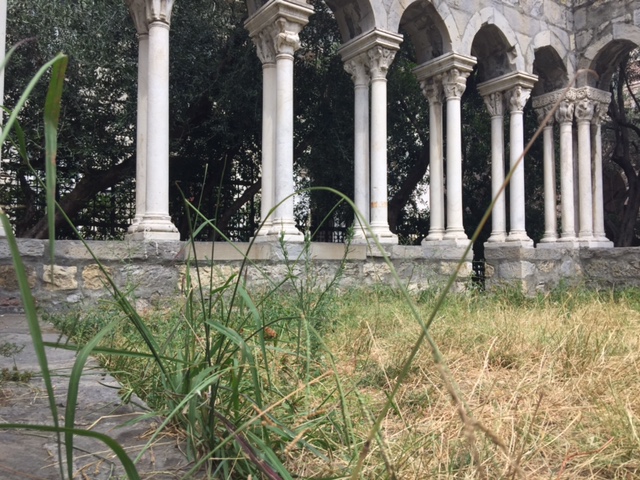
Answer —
(450, 73)
(367, 58)
(277, 25)
(357, 67)
(584, 111)
(155, 223)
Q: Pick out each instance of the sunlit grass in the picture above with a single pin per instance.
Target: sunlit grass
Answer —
(554, 379)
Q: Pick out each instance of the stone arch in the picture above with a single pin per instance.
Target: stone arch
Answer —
(548, 39)
(493, 51)
(497, 26)
(550, 69)
(439, 8)
(356, 17)
(427, 31)
(603, 55)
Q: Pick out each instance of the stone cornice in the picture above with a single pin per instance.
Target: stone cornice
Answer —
(294, 12)
(444, 63)
(507, 82)
(373, 38)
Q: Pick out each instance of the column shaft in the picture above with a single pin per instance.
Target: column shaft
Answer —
(584, 180)
(433, 91)
(454, 83)
(598, 194)
(564, 116)
(380, 58)
(550, 218)
(494, 103)
(517, 98)
(141, 130)
(269, 79)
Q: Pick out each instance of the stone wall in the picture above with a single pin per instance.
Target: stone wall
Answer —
(155, 270)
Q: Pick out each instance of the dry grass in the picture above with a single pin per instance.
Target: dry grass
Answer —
(554, 380)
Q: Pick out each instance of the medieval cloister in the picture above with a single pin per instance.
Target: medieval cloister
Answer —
(561, 54)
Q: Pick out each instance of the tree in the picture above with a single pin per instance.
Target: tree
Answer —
(622, 147)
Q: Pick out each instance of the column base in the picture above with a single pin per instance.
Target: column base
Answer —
(519, 238)
(135, 224)
(498, 237)
(262, 235)
(154, 227)
(549, 238)
(285, 231)
(434, 236)
(456, 235)
(595, 243)
(383, 234)
(567, 242)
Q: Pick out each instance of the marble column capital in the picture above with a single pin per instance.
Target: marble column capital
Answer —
(287, 40)
(358, 68)
(594, 101)
(564, 112)
(517, 98)
(380, 59)
(138, 12)
(542, 113)
(263, 40)
(495, 104)
(432, 89)
(454, 83)
(584, 110)
(159, 11)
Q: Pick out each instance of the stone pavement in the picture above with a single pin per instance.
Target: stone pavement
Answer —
(33, 455)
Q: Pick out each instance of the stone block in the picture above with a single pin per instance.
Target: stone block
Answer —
(9, 281)
(26, 247)
(56, 277)
(93, 278)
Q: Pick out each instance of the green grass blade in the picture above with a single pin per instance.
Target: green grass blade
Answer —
(51, 120)
(72, 392)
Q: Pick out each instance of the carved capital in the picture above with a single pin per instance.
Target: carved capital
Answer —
(265, 46)
(601, 113)
(495, 104)
(159, 11)
(138, 12)
(454, 83)
(287, 40)
(358, 69)
(432, 89)
(564, 113)
(542, 112)
(380, 59)
(517, 98)
(584, 110)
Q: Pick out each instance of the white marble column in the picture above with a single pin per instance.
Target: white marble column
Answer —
(454, 83)
(3, 40)
(284, 19)
(432, 89)
(584, 110)
(380, 59)
(549, 171)
(516, 99)
(495, 104)
(357, 67)
(564, 116)
(266, 52)
(156, 222)
(287, 42)
(138, 11)
(598, 195)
